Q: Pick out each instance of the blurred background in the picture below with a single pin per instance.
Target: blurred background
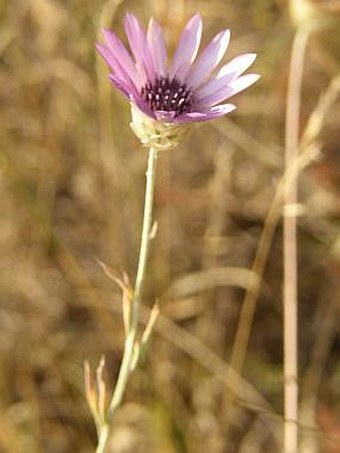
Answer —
(71, 193)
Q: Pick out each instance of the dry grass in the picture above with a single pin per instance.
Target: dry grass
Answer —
(71, 191)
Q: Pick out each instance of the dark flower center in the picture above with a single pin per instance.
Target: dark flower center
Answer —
(168, 95)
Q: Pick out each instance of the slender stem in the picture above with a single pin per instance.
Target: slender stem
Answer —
(103, 437)
(290, 298)
(128, 355)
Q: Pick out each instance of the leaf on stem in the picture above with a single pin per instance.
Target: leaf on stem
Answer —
(90, 392)
(101, 389)
(125, 286)
(140, 347)
(96, 393)
(153, 231)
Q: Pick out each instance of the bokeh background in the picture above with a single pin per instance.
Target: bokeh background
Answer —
(71, 193)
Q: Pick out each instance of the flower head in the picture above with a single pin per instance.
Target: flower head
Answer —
(191, 90)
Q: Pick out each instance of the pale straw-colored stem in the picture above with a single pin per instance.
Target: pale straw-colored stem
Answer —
(290, 297)
(128, 355)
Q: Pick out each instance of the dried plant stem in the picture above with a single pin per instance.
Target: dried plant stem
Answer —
(309, 151)
(130, 342)
(290, 278)
(290, 297)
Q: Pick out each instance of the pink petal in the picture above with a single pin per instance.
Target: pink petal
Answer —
(165, 117)
(109, 58)
(133, 97)
(228, 90)
(139, 47)
(214, 112)
(115, 65)
(142, 106)
(238, 65)
(122, 86)
(157, 47)
(225, 75)
(187, 48)
(122, 55)
(209, 59)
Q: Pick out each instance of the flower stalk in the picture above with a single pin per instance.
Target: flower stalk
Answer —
(104, 418)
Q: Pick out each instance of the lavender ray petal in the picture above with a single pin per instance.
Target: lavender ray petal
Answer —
(139, 47)
(121, 85)
(122, 55)
(209, 59)
(156, 42)
(142, 106)
(238, 65)
(115, 65)
(228, 90)
(165, 117)
(226, 74)
(214, 112)
(187, 48)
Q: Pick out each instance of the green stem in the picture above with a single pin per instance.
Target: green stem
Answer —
(125, 369)
(103, 437)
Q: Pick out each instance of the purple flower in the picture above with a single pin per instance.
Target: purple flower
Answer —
(189, 91)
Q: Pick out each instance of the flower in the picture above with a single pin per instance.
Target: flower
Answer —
(191, 90)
